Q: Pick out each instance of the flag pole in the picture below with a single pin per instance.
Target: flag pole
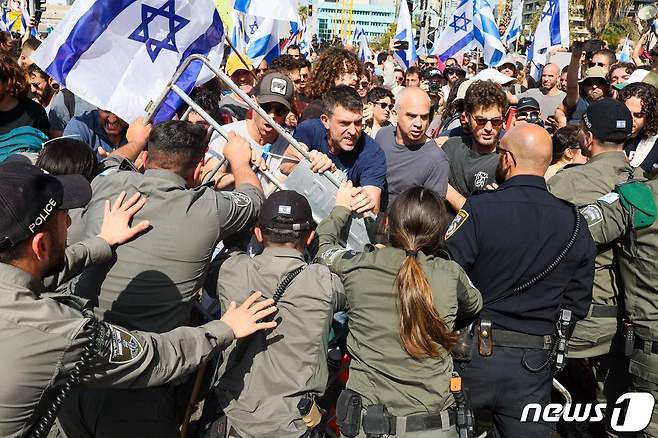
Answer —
(240, 57)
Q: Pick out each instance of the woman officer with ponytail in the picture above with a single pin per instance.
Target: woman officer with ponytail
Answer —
(402, 302)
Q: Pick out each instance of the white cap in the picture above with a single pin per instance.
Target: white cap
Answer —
(491, 74)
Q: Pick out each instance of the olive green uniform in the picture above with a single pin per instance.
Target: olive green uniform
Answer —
(265, 377)
(381, 371)
(593, 336)
(41, 340)
(638, 263)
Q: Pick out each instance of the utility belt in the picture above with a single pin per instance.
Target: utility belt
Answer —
(603, 311)
(633, 341)
(377, 422)
(486, 337)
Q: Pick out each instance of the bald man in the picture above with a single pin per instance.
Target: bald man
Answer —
(506, 240)
(412, 158)
(549, 95)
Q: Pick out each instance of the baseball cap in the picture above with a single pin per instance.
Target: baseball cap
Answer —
(275, 87)
(286, 209)
(233, 64)
(608, 120)
(526, 103)
(29, 196)
(636, 76)
(491, 74)
(595, 72)
(463, 88)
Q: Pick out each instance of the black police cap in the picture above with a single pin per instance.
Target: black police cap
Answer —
(286, 210)
(30, 195)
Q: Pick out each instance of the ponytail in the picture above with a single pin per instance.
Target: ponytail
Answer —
(422, 329)
(416, 221)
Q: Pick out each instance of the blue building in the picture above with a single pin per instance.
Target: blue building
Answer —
(373, 15)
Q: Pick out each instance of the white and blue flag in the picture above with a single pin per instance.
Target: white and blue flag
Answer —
(359, 31)
(264, 43)
(625, 55)
(120, 54)
(553, 27)
(404, 32)
(25, 20)
(486, 33)
(5, 24)
(306, 41)
(275, 9)
(513, 31)
(457, 37)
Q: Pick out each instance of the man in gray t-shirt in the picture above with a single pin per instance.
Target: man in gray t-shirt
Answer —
(549, 95)
(411, 158)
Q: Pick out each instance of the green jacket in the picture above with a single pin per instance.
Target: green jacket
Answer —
(638, 259)
(381, 370)
(583, 185)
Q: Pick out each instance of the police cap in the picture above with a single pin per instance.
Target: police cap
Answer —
(30, 195)
(286, 210)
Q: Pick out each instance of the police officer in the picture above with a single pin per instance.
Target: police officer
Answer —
(621, 217)
(522, 248)
(402, 302)
(152, 283)
(44, 342)
(287, 365)
(605, 127)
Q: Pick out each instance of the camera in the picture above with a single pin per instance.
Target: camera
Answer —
(434, 86)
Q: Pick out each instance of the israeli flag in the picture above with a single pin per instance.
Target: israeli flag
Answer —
(5, 26)
(359, 31)
(458, 36)
(625, 55)
(513, 31)
(119, 55)
(404, 32)
(275, 9)
(553, 27)
(422, 50)
(486, 33)
(25, 20)
(305, 41)
(264, 43)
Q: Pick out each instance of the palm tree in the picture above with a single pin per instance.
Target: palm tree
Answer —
(599, 13)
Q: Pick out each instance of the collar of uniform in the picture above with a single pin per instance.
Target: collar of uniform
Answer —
(283, 252)
(609, 156)
(525, 180)
(17, 277)
(168, 175)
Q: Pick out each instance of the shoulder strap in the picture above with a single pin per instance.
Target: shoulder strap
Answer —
(69, 101)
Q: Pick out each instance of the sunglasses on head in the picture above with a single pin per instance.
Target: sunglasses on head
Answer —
(481, 122)
(384, 105)
(275, 108)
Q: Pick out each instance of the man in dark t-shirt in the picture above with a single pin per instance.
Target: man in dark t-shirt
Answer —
(336, 140)
(25, 113)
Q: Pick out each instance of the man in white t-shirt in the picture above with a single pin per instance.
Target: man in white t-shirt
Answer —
(274, 93)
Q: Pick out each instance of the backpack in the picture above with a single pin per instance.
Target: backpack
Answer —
(23, 139)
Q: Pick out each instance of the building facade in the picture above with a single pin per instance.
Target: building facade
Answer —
(333, 17)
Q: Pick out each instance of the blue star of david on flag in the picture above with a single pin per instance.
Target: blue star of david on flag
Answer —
(253, 27)
(455, 22)
(550, 10)
(175, 22)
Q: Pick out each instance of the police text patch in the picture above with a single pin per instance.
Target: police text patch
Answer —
(124, 346)
(592, 214)
(609, 198)
(457, 222)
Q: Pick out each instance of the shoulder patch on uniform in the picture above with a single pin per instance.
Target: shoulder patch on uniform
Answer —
(332, 254)
(349, 254)
(123, 346)
(240, 199)
(609, 198)
(592, 214)
(457, 222)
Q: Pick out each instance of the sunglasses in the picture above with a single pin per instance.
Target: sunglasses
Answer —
(527, 114)
(275, 108)
(595, 64)
(364, 84)
(384, 105)
(481, 122)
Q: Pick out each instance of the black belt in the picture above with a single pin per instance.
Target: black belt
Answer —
(416, 423)
(640, 343)
(507, 338)
(603, 311)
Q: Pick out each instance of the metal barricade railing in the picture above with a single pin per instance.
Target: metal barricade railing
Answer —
(319, 189)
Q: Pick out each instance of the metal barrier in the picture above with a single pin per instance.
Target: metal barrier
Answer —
(319, 189)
